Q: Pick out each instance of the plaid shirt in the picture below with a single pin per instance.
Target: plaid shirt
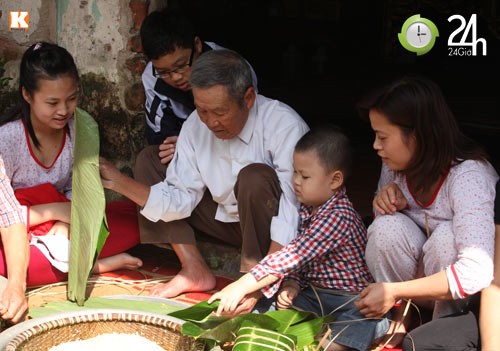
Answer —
(328, 251)
(10, 209)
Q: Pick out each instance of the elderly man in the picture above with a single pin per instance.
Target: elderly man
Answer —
(171, 45)
(230, 176)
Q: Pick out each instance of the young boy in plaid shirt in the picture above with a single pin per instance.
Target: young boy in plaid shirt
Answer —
(326, 259)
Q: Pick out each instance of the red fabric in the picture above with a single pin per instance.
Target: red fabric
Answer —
(123, 233)
(123, 228)
(37, 195)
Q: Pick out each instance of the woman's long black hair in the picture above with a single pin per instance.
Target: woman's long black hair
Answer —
(41, 60)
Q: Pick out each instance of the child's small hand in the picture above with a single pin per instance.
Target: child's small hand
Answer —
(230, 297)
(389, 200)
(288, 292)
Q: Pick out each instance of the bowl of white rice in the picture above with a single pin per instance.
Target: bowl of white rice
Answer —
(99, 329)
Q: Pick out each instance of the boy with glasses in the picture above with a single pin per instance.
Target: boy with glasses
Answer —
(170, 43)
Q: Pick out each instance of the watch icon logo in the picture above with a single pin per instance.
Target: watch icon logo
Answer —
(418, 35)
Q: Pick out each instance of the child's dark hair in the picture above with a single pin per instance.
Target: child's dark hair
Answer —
(418, 107)
(41, 60)
(331, 145)
(162, 32)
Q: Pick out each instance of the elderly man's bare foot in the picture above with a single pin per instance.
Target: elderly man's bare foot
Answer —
(189, 279)
(120, 261)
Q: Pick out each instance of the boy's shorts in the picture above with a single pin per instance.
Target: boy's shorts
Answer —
(360, 332)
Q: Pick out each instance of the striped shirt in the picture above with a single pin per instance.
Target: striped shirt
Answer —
(10, 210)
(328, 251)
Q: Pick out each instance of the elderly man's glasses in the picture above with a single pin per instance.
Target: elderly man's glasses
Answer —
(179, 70)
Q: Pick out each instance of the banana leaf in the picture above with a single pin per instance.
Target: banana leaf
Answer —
(225, 331)
(197, 312)
(251, 338)
(289, 317)
(307, 331)
(102, 302)
(201, 323)
(299, 326)
(88, 229)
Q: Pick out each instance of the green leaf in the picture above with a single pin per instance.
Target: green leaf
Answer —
(253, 338)
(197, 312)
(307, 331)
(305, 326)
(227, 330)
(102, 302)
(289, 317)
(299, 326)
(191, 329)
(88, 225)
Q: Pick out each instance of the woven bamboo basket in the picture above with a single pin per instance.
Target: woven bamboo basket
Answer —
(163, 330)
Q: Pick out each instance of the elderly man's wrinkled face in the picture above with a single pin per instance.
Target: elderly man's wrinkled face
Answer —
(223, 116)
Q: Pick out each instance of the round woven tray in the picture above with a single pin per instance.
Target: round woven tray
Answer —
(163, 330)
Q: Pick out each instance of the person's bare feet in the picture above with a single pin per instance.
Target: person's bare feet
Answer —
(397, 330)
(196, 277)
(394, 336)
(119, 261)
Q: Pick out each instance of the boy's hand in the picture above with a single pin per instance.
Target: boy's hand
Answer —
(288, 292)
(230, 297)
(167, 149)
(389, 200)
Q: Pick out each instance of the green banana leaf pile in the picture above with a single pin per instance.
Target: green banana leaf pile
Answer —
(285, 330)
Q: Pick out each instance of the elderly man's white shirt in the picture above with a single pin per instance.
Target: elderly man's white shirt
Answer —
(202, 160)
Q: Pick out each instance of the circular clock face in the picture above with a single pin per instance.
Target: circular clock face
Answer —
(418, 35)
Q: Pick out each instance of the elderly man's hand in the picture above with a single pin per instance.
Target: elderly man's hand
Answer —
(113, 179)
(109, 174)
